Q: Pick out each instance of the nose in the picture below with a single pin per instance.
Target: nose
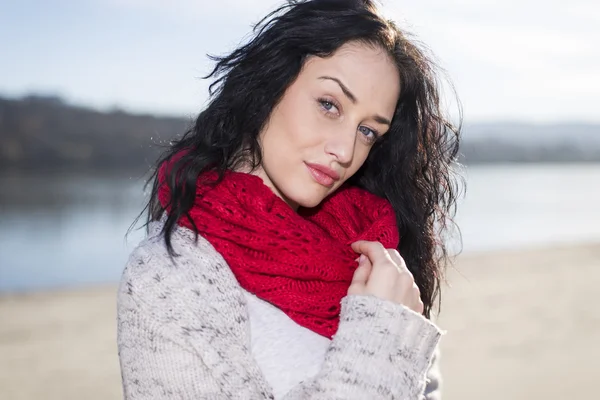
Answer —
(340, 144)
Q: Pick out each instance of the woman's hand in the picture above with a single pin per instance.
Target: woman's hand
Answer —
(382, 273)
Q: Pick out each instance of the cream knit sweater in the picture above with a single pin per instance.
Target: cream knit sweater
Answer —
(184, 333)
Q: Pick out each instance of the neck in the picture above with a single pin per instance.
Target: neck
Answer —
(262, 174)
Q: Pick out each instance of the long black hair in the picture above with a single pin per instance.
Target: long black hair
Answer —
(412, 165)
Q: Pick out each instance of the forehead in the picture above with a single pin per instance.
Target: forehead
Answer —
(368, 71)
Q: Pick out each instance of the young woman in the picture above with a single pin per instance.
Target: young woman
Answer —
(293, 247)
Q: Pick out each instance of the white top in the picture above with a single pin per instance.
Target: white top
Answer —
(286, 352)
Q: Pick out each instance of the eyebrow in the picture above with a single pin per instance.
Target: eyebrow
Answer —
(352, 98)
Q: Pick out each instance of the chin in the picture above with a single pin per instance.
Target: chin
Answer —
(309, 197)
(309, 202)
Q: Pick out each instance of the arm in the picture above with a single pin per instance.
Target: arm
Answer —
(177, 340)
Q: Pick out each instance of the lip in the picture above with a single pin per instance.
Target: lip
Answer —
(322, 174)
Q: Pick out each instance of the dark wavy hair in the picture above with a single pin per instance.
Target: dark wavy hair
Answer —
(411, 166)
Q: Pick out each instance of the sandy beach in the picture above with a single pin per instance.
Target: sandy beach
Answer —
(521, 325)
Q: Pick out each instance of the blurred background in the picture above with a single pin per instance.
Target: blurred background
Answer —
(89, 90)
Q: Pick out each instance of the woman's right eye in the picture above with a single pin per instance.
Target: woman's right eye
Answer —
(328, 106)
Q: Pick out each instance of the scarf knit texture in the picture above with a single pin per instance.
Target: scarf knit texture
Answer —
(302, 261)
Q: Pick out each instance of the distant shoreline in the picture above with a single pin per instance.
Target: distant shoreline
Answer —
(45, 133)
(140, 172)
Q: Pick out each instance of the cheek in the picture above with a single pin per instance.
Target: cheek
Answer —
(295, 124)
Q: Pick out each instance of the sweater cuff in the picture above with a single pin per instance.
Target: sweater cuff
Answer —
(384, 327)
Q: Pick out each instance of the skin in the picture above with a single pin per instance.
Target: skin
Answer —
(383, 273)
(316, 122)
(331, 115)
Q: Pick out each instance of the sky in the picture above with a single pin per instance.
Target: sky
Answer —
(528, 60)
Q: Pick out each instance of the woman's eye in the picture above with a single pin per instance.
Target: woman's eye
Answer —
(369, 133)
(328, 106)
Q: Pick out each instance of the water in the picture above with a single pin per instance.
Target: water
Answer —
(69, 230)
(517, 206)
(66, 230)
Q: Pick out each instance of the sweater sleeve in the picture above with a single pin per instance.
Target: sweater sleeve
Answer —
(433, 390)
(178, 340)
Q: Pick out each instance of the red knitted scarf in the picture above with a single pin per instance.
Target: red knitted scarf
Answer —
(299, 261)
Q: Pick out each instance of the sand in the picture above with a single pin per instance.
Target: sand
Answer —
(521, 325)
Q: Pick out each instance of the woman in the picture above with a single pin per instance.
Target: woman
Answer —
(291, 251)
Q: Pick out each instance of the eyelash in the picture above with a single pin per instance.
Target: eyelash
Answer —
(322, 101)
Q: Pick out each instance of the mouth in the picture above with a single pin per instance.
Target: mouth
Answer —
(322, 174)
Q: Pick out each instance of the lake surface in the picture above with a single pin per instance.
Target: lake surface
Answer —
(69, 230)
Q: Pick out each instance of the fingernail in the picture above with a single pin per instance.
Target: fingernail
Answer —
(362, 258)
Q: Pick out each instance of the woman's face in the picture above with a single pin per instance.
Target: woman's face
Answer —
(323, 128)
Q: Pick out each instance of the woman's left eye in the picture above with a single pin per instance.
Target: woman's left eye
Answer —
(368, 132)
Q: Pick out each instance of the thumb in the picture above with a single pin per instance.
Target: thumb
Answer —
(362, 273)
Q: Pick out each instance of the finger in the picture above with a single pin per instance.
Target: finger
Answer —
(398, 260)
(396, 256)
(415, 288)
(418, 303)
(362, 273)
(374, 250)
(420, 308)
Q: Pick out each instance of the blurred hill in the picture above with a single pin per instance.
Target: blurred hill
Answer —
(42, 132)
(520, 142)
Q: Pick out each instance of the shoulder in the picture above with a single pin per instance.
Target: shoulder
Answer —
(196, 278)
(182, 321)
